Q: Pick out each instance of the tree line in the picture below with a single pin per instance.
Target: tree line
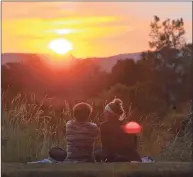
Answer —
(160, 79)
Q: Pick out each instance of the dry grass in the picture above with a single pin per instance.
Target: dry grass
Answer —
(29, 130)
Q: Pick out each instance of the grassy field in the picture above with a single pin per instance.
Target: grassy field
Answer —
(29, 130)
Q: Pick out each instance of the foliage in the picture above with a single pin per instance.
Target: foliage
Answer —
(34, 96)
(171, 62)
(123, 72)
(140, 97)
(168, 34)
(29, 130)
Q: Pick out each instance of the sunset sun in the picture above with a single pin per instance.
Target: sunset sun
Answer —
(60, 46)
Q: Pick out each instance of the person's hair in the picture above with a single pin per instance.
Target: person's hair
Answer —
(117, 106)
(82, 112)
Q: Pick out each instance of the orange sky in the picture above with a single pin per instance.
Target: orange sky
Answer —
(94, 28)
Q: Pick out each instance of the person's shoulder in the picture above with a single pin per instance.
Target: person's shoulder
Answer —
(91, 124)
(70, 122)
(103, 124)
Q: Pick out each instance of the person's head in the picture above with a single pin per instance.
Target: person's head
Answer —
(82, 112)
(114, 109)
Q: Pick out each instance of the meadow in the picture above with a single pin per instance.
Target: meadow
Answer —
(29, 130)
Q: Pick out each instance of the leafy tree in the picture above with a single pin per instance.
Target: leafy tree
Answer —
(167, 41)
(124, 72)
(145, 70)
(168, 34)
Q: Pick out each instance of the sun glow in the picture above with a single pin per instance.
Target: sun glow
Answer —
(60, 46)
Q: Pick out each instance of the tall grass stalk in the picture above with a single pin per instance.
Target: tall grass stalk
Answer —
(30, 129)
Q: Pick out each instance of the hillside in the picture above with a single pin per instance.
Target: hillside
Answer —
(105, 63)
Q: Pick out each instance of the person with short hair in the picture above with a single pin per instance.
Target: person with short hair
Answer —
(80, 137)
(117, 146)
(81, 134)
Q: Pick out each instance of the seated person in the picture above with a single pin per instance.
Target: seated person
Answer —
(81, 134)
(116, 144)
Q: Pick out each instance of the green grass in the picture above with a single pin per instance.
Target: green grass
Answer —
(29, 130)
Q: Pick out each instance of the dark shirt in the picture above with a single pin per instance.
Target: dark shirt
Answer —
(116, 141)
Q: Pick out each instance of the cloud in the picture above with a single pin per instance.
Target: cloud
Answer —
(39, 27)
(30, 10)
(94, 27)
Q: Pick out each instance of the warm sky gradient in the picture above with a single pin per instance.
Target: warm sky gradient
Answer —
(94, 28)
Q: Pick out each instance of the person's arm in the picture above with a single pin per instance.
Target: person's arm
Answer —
(93, 129)
(132, 141)
(104, 139)
(102, 136)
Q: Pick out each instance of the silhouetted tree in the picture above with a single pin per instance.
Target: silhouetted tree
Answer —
(167, 40)
(124, 72)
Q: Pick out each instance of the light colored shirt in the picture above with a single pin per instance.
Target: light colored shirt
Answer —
(80, 140)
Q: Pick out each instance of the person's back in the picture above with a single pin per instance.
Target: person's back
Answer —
(111, 135)
(114, 139)
(81, 134)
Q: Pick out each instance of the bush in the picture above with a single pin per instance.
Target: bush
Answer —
(140, 97)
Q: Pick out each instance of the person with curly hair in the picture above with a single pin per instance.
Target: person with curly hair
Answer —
(80, 137)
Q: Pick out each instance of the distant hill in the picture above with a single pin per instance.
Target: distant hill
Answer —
(15, 57)
(108, 62)
(105, 63)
